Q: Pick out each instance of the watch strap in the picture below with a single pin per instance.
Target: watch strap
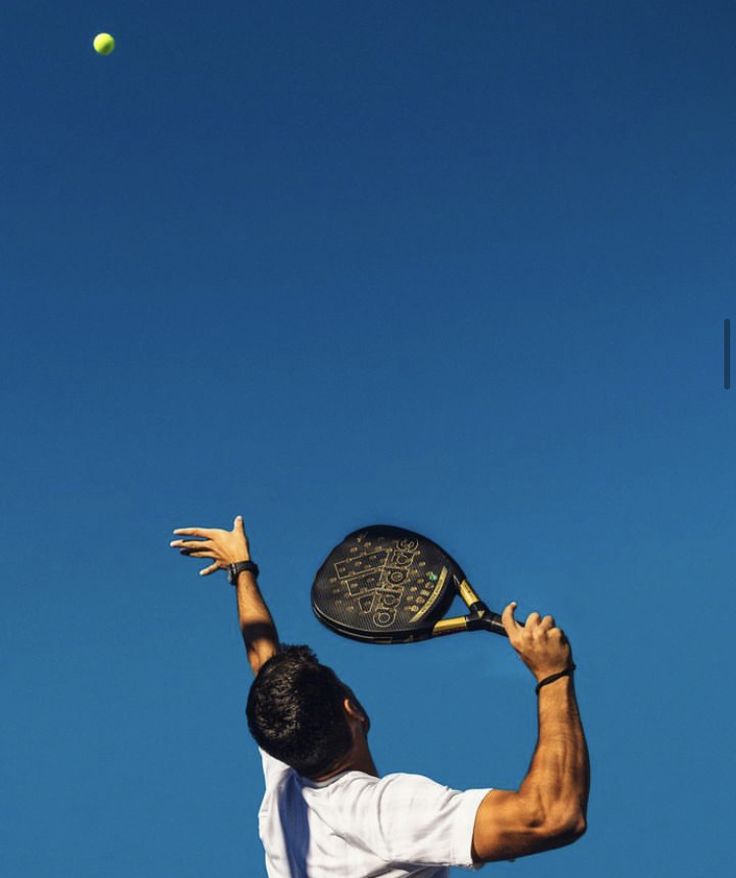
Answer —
(234, 569)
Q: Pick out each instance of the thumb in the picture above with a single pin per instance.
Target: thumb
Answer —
(509, 622)
(238, 524)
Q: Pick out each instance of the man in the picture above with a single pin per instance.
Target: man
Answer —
(327, 812)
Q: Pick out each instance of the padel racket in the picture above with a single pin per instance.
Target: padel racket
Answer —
(385, 584)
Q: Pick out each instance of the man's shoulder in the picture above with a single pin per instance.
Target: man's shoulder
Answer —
(396, 789)
(273, 769)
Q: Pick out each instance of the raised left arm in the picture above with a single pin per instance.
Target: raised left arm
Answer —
(256, 624)
(225, 548)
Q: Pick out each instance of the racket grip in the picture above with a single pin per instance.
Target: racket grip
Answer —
(492, 622)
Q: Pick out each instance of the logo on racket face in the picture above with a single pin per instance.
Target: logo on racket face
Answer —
(377, 577)
(385, 583)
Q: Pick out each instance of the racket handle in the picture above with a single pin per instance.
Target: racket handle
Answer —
(492, 622)
(481, 616)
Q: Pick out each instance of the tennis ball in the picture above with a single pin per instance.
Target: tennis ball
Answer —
(104, 44)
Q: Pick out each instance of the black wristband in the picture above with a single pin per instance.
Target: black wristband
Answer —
(234, 569)
(553, 677)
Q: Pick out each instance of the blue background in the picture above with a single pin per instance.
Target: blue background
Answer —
(458, 266)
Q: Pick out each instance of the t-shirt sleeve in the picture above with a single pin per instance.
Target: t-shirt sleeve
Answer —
(273, 769)
(407, 818)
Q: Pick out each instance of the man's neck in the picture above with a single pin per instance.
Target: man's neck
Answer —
(364, 763)
(359, 759)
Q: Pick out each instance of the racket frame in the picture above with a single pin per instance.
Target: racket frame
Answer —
(479, 618)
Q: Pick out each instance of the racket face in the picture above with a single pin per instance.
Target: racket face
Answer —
(385, 584)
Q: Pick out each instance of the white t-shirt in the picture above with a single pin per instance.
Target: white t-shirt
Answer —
(358, 826)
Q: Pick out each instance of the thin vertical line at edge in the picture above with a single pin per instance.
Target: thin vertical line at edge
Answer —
(727, 354)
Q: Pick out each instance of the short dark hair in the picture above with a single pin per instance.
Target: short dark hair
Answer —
(295, 711)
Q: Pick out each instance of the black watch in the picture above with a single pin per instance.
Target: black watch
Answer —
(234, 569)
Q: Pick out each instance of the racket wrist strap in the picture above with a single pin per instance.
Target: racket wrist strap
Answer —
(566, 673)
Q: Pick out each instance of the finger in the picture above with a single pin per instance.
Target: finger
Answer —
(193, 553)
(208, 570)
(195, 531)
(532, 620)
(547, 623)
(190, 544)
(510, 624)
(238, 524)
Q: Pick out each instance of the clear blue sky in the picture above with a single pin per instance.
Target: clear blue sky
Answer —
(458, 266)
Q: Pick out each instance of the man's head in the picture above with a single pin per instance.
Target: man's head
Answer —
(301, 713)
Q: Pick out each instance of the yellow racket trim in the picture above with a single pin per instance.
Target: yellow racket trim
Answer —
(467, 593)
(447, 626)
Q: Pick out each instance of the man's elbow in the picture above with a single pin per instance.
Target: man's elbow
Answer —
(567, 828)
(556, 825)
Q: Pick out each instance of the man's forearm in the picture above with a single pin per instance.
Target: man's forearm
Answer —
(558, 779)
(256, 624)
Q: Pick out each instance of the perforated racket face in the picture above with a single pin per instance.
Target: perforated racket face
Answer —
(384, 584)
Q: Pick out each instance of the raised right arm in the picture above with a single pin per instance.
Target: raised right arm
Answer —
(549, 808)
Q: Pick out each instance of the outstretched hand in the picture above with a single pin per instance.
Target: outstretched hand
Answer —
(224, 546)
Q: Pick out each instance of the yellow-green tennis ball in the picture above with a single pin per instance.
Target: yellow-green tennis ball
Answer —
(104, 44)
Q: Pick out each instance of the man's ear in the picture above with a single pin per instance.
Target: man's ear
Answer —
(353, 711)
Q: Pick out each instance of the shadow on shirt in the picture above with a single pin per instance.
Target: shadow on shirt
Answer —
(294, 821)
